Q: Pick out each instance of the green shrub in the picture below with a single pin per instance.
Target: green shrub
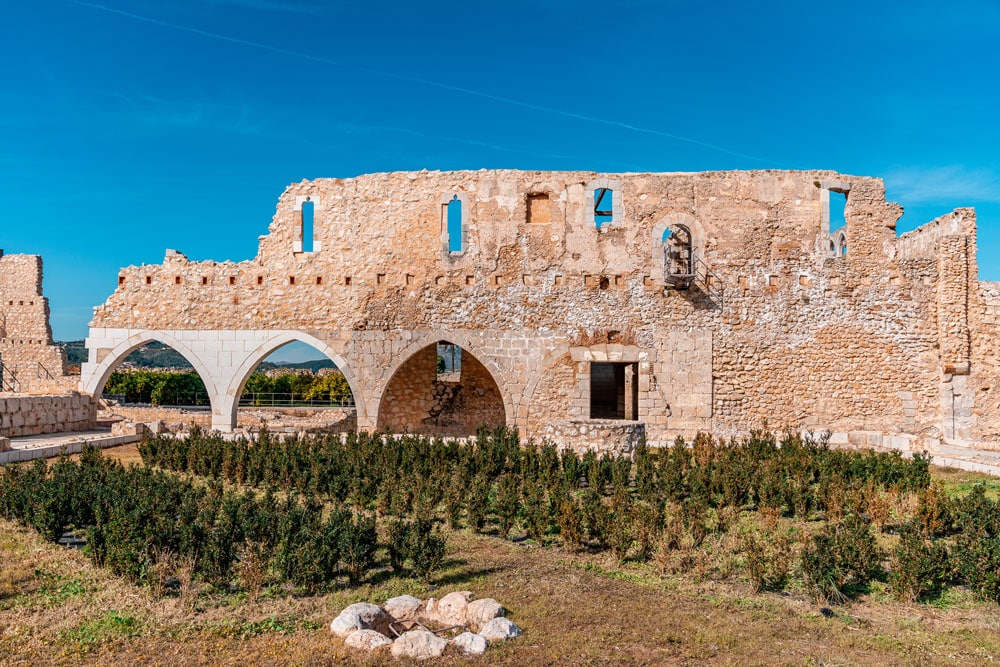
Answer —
(416, 546)
(766, 557)
(357, 542)
(537, 510)
(977, 559)
(570, 521)
(919, 566)
(840, 559)
(507, 502)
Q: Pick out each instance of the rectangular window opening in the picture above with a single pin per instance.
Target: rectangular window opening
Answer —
(453, 224)
(307, 225)
(614, 390)
(603, 206)
(204, 280)
(121, 281)
(319, 280)
(347, 281)
(291, 280)
(232, 280)
(260, 280)
(177, 280)
(449, 362)
(838, 202)
(149, 280)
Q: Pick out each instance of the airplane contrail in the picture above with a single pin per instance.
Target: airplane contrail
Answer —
(413, 79)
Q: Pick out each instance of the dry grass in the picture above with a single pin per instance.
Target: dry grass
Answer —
(575, 609)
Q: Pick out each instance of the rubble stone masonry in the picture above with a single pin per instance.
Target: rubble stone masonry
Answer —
(568, 315)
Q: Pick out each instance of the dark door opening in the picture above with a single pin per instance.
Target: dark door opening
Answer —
(614, 390)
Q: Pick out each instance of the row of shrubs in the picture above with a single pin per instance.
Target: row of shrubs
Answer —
(401, 474)
(655, 502)
(788, 505)
(143, 524)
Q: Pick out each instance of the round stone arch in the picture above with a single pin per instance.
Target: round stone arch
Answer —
(94, 383)
(674, 219)
(422, 340)
(262, 351)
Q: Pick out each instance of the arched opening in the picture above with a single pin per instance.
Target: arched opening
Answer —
(841, 243)
(166, 373)
(293, 383)
(156, 374)
(678, 254)
(449, 394)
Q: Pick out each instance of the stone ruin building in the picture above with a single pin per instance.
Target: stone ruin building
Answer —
(29, 361)
(37, 395)
(591, 309)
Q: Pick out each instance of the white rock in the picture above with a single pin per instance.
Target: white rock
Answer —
(360, 616)
(451, 608)
(500, 629)
(402, 607)
(419, 645)
(481, 612)
(428, 613)
(368, 640)
(470, 644)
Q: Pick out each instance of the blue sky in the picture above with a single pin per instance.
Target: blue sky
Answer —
(130, 127)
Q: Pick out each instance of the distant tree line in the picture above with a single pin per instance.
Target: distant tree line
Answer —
(158, 387)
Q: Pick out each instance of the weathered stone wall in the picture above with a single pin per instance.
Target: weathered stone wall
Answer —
(774, 326)
(32, 415)
(32, 363)
(276, 419)
(596, 435)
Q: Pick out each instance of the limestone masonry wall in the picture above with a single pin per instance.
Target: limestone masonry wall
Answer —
(32, 415)
(30, 362)
(564, 312)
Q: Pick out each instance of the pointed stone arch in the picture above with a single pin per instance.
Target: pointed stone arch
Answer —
(252, 359)
(93, 382)
(422, 340)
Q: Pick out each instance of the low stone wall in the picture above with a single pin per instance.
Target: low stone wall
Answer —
(598, 435)
(277, 419)
(32, 415)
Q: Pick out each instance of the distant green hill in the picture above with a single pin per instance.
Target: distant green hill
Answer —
(158, 355)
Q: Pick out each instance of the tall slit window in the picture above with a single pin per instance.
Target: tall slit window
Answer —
(603, 206)
(453, 222)
(307, 225)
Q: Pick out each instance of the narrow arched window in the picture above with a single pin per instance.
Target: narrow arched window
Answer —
(678, 251)
(454, 224)
(307, 225)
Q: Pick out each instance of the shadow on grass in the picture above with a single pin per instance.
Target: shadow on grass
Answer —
(451, 571)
